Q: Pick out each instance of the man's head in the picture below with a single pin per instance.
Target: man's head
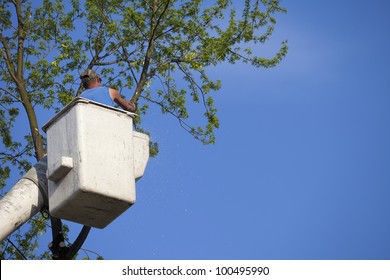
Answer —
(89, 78)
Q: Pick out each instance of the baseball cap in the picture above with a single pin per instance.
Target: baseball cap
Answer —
(88, 75)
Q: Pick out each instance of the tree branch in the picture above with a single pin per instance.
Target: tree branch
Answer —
(149, 52)
(194, 83)
(182, 123)
(10, 93)
(8, 58)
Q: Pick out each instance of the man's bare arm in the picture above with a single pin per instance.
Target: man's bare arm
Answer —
(124, 104)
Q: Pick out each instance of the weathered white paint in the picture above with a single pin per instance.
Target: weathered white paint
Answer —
(60, 168)
(107, 156)
(94, 158)
(24, 200)
(141, 153)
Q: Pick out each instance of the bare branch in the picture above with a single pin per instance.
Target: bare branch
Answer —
(8, 58)
(194, 83)
(11, 94)
(182, 123)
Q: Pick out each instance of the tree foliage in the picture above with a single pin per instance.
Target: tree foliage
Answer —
(159, 51)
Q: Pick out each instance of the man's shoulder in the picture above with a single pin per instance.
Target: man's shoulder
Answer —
(98, 94)
(99, 88)
(94, 90)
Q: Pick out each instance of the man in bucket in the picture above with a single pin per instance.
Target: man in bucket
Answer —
(96, 92)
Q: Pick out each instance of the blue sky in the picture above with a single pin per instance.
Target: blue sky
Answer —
(300, 169)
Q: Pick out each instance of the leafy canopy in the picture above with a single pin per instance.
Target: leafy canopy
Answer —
(156, 52)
